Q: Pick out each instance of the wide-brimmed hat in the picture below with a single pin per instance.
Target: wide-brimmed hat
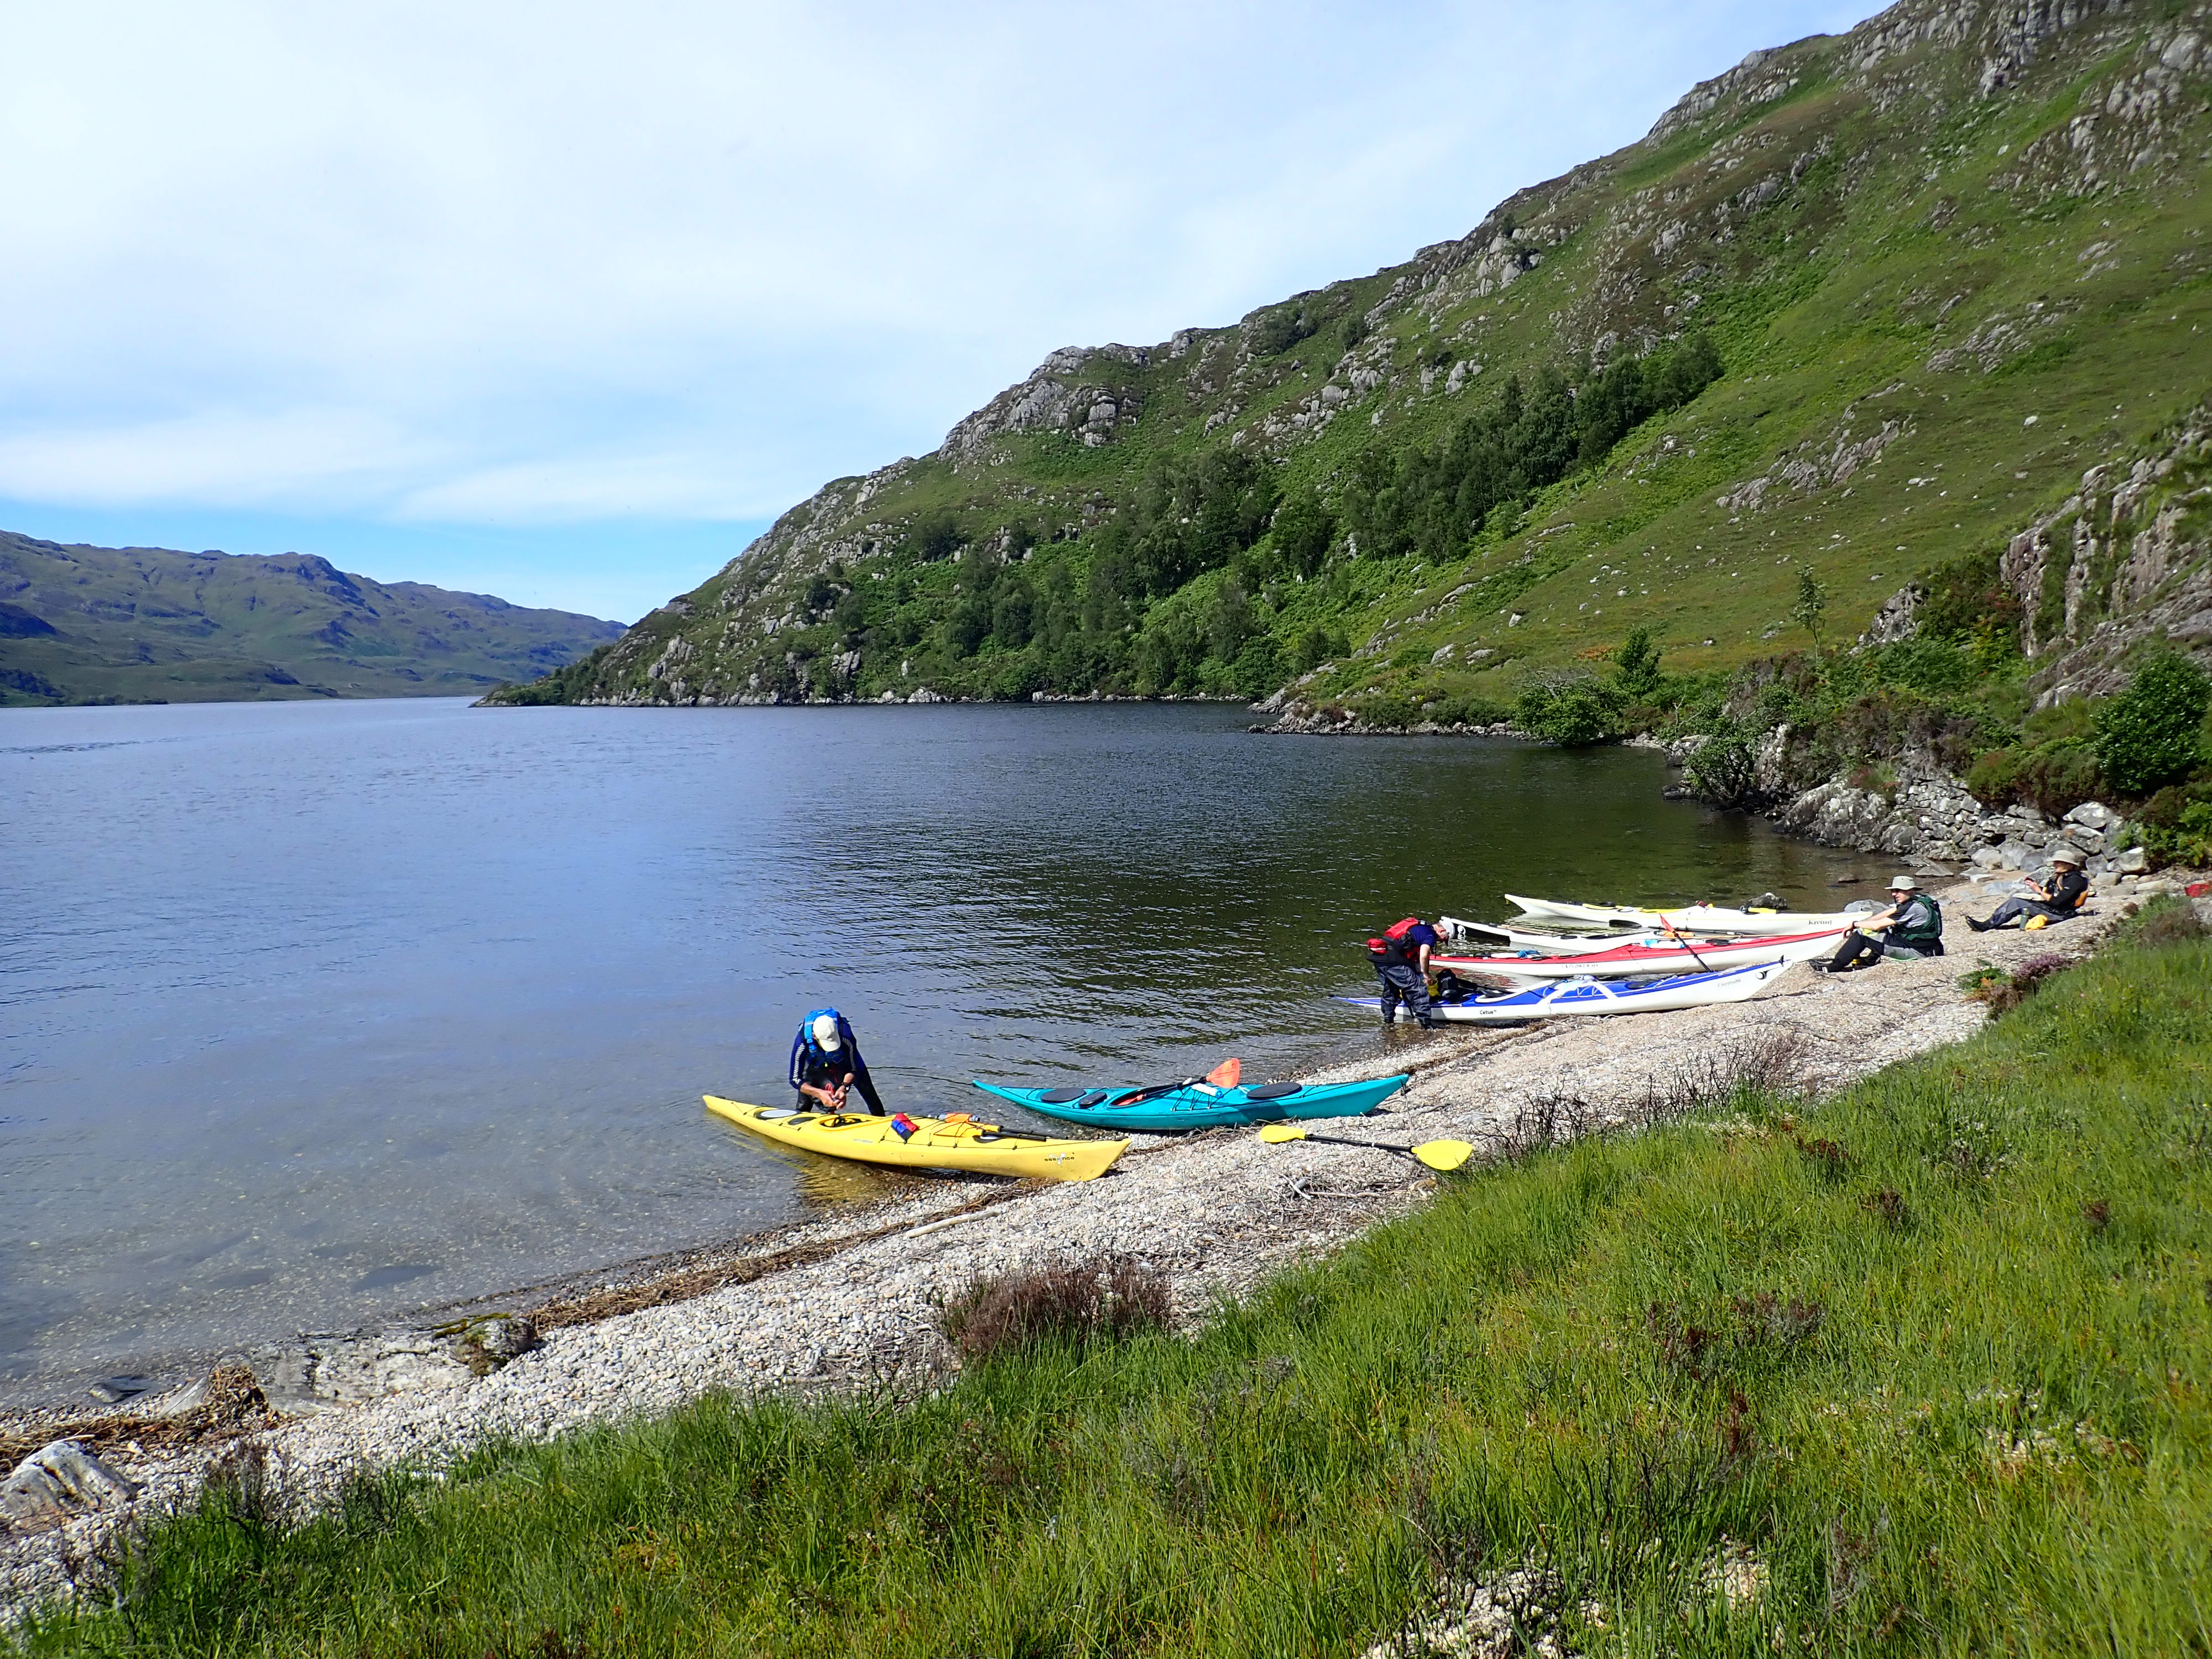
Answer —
(2066, 856)
(1904, 885)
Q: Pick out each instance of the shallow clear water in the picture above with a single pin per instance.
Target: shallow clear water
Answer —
(311, 1013)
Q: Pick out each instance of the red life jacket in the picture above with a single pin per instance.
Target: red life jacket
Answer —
(1390, 947)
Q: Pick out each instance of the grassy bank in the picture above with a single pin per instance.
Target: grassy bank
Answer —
(1921, 1368)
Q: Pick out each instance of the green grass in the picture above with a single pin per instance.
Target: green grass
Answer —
(1935, 1353)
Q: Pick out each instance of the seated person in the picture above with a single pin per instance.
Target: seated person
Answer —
(1913, 922)
(2063, 897)
(825, 1063)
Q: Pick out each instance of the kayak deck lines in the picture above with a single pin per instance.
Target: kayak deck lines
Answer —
(951, 1143)
(1198, 1104)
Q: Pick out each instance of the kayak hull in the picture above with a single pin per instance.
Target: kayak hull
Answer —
(1690, 918)
(1602, 996)
(1700, 956)
(935, 1144)
(1200, 1105)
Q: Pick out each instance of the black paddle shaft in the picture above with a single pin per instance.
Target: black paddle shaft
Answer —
(1375, 1145)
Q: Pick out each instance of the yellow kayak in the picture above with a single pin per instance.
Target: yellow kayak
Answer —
(954, 1143)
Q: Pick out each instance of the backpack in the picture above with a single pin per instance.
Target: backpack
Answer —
(1390, 945)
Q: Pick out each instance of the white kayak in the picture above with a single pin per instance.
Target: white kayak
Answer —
(1689, 918)
(1638, 960)
(1497, 935)
(1601, 996)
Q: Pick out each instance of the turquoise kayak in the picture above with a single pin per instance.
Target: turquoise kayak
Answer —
(1194, 1103)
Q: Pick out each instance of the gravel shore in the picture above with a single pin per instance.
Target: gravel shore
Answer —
(847, 1302)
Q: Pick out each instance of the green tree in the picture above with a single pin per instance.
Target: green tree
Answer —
(2151, 733)
(1636, 664)
(1812, 603)
(1302, 529)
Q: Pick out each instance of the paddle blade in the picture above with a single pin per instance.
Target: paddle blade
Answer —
(1226, 1075)
(1276, 1133)
(1444, 1154)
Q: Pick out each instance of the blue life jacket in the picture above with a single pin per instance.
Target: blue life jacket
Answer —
(806, 1054)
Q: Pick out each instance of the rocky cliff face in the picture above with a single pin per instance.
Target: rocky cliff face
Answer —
(1935, 253)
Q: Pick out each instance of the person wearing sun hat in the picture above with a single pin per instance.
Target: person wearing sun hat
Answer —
(826, 1063)
(1913, 923)
(2063, 897)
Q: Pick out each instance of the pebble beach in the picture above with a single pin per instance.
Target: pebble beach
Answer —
(848, 1301)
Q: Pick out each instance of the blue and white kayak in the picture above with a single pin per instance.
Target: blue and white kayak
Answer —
(1194, 1103)
(1601, 996)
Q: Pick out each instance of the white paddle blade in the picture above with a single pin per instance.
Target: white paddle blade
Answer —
(1276, 1133)
(1444, 1154)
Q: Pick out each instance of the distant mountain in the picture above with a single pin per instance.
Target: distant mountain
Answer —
(1862, 308)
(147, 624)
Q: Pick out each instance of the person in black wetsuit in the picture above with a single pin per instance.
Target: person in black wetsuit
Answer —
(2063, 897)
(826, 1063)
(1913, 924)
(1402, 962)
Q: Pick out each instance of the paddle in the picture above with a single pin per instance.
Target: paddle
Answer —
(1436, 1154)
(1685, 944)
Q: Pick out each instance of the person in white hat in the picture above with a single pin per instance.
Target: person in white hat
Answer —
(826, 1063)
(2063, 897)
(1913, 925)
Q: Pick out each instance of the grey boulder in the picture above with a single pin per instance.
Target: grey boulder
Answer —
(58, 1480)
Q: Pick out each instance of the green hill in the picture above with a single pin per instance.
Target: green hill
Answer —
(144, 624)
(1862, 306)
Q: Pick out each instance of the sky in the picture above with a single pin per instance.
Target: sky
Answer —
(566, 302)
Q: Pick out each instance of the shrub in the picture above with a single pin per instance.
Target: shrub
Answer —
(1107, 1297)
(1466, 710)
(1725, 770)
(1315, 645)
(1968, 603)
(2149, 735)
(2024, 981)
(1570, 713)
(2176, 825)
(2165, 920)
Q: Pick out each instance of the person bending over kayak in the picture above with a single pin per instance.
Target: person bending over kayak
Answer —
(826, 1063)
(1913, 922)
(1400, 957)
(2061, 899)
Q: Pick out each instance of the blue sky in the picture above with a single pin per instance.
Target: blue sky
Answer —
(565, 302)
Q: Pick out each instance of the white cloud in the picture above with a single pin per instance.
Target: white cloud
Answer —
(524, 264)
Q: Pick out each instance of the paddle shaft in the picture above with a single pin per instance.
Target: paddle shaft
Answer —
(1686, 945)
(1377, 1146)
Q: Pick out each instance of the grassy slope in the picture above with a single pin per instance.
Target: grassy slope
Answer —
(139, 625)
(1920, 215)
(1985, 1427)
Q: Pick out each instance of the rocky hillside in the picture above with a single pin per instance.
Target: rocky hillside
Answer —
(1862, 307)
(141, 624)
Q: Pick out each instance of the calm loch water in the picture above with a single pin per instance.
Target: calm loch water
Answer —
(311, 1013)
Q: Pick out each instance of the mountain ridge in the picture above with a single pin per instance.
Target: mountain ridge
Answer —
(80, 624)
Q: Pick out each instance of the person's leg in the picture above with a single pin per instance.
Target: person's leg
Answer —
(866, 1085)
(1389, 996)
(1857, 947)
(2006, 913)
(1903, 952)
(1417, 997)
